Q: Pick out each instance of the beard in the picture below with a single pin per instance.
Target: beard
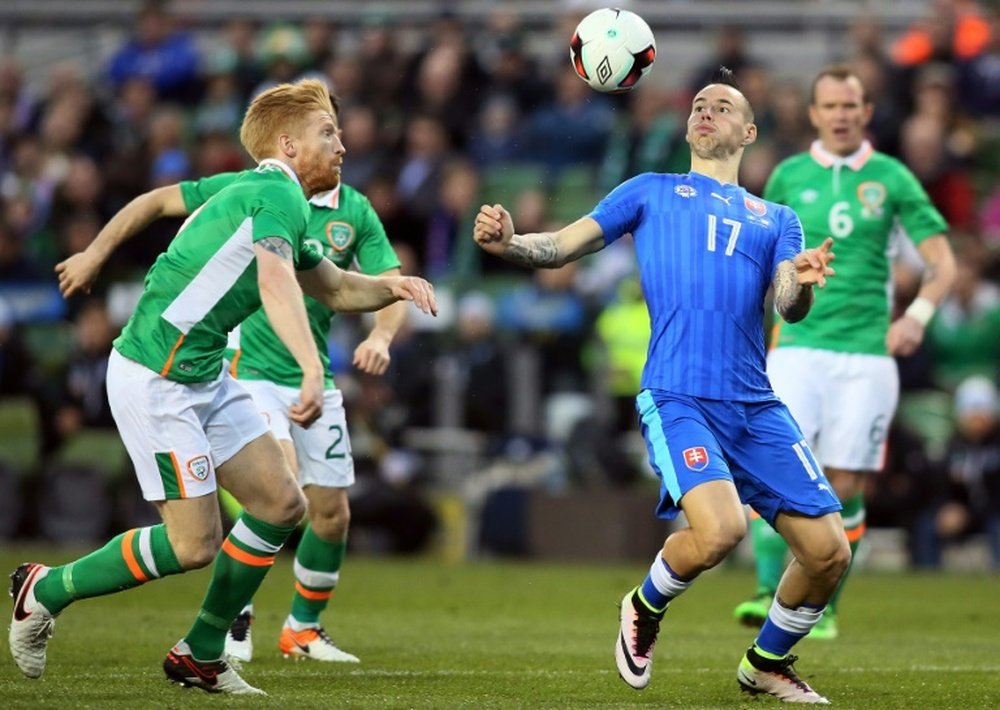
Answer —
(709, 147)
(319, 179)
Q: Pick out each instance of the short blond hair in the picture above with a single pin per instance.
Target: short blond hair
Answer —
(281, 109)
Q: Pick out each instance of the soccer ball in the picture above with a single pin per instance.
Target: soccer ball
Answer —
(612, 50)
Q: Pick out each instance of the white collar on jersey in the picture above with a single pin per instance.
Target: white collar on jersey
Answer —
(287, 170)
(854, 161)
(329, 199)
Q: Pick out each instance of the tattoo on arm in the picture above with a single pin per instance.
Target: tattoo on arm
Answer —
(277, 245)
(791, 300)
(536, 250)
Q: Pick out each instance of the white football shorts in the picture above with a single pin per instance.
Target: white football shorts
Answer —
(324, 449)
(843, 402)
(177, 434)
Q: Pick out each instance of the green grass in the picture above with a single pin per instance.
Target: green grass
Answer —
(494, 635)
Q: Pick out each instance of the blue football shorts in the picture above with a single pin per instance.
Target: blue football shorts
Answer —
(756, 445)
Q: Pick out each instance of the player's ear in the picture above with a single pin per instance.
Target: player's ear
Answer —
(287, 145)
(751, 134)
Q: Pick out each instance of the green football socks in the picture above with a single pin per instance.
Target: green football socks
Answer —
(128, 560)
(317, 571)
(246, 556)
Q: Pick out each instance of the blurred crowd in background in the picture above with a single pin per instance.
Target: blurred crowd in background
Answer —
(538, 370)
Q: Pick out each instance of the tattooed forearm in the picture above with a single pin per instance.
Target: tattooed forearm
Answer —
(277, 245)
(791, 300)
(533, 250)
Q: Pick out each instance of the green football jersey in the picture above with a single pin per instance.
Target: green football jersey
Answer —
(343, 227)
(205, 284)
(860, 201)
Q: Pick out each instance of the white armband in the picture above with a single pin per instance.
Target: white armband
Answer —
(921, 310)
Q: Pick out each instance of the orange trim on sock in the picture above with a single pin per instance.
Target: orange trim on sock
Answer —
(855, 534)
(245, 557)
(312, 594)
(754, 514)
(170, 357)
(129, 556)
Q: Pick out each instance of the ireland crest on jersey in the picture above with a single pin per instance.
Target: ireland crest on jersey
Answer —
(872, 196)
(339, 234)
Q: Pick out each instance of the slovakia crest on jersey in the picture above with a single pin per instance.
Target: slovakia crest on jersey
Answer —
(685, 191)
(696, 458)
(754, 206)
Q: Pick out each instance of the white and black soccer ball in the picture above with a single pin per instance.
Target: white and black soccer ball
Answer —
(612, 49)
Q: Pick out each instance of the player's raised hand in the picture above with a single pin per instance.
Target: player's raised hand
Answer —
(812, 266)
(413, 288)
(493, 229)
(77, 273)
(310, 405)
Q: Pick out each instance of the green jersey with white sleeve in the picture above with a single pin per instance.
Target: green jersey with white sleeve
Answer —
(205, 284)
(342, 226)
(861, 201)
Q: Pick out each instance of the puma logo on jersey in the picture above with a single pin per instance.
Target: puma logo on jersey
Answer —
(727, 200)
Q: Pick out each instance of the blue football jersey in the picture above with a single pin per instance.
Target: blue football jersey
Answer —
(707, 253)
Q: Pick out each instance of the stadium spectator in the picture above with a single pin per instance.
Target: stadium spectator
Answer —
(385, 65)
(447, 254)
(320, 36)
(646, 138)
(730, 50)
(421, 168)
(19, 372)
(83, 396)
(360, 127)
(977, 89)
(158, 52)
(571, 129)
(495, 140)
(622, 330)
(513, 72)
(550, 315)
(966, 496)
(439, 93)
(924, 151)
(883, 128)
(481, 363)
(951, 29)
(235, 51)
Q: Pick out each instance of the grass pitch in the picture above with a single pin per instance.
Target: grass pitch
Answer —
(513, 635)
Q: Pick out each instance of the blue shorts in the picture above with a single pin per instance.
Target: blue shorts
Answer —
(756, 445)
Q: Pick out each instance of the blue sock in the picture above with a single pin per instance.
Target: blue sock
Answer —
(661, 585)
(784, 627)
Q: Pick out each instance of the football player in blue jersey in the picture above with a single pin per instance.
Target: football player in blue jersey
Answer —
(716, 434)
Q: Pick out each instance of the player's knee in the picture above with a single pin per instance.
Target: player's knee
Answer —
(841, 559)
(332, 523)
(829, 561)
(290, 508)
(195, 552)
(715, 544)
